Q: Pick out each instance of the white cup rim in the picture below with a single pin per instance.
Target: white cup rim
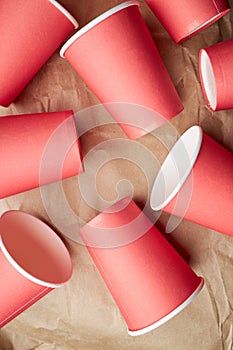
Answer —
(96, 21)
(208, 79)
(189, 144)
(65, 12)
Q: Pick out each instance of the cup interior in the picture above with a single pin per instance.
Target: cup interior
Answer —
(208, 79)
(176, 168)
(34, 249)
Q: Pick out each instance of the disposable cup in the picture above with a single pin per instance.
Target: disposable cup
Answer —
(215, 67)
(211, 166)
(30, 154)
(117, 58)
(183, 19)
(147, 278)
(31, 31)
(33, 260)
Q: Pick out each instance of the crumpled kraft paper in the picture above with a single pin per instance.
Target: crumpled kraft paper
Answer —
(82, 314)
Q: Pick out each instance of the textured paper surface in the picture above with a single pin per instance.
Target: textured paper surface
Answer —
(82, 315)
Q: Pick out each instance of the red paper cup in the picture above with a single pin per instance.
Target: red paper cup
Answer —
(25, 161)
(183, 19)
(117, 58)
(216, 67)
(33, 262)
(30, 33)
(211, 199)
(147, 278)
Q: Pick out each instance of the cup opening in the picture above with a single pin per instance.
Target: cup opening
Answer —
(96, 21)
(34, 249)
(176, 168)
(171, 314)
(65, 12)
(208, 79)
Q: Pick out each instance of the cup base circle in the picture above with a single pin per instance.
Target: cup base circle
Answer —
(202, 26)
(171, 314)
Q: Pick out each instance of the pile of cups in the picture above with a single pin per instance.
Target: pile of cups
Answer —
(117, 58)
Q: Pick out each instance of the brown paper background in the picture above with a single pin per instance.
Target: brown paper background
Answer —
(82, 315)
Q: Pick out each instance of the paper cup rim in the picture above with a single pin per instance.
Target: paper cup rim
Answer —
(20, 269)
(160, 204)
(171, 314)
(207, 77)
(65, 12)
(204, 25)
(95, 22)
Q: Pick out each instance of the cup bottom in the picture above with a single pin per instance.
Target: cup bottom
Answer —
(170, 315)
(202, 26)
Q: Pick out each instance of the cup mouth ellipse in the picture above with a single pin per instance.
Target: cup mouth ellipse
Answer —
(176, 168)
(208, 81)
(65, 12)
(95, 22)
(34, 249)
(171, 314)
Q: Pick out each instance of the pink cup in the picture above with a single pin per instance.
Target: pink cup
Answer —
(117, 58)
(210, 197)
(31, 31)
(148, 279)
(30, 154)
(216, 67)
(184, 18)
(33, 262)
